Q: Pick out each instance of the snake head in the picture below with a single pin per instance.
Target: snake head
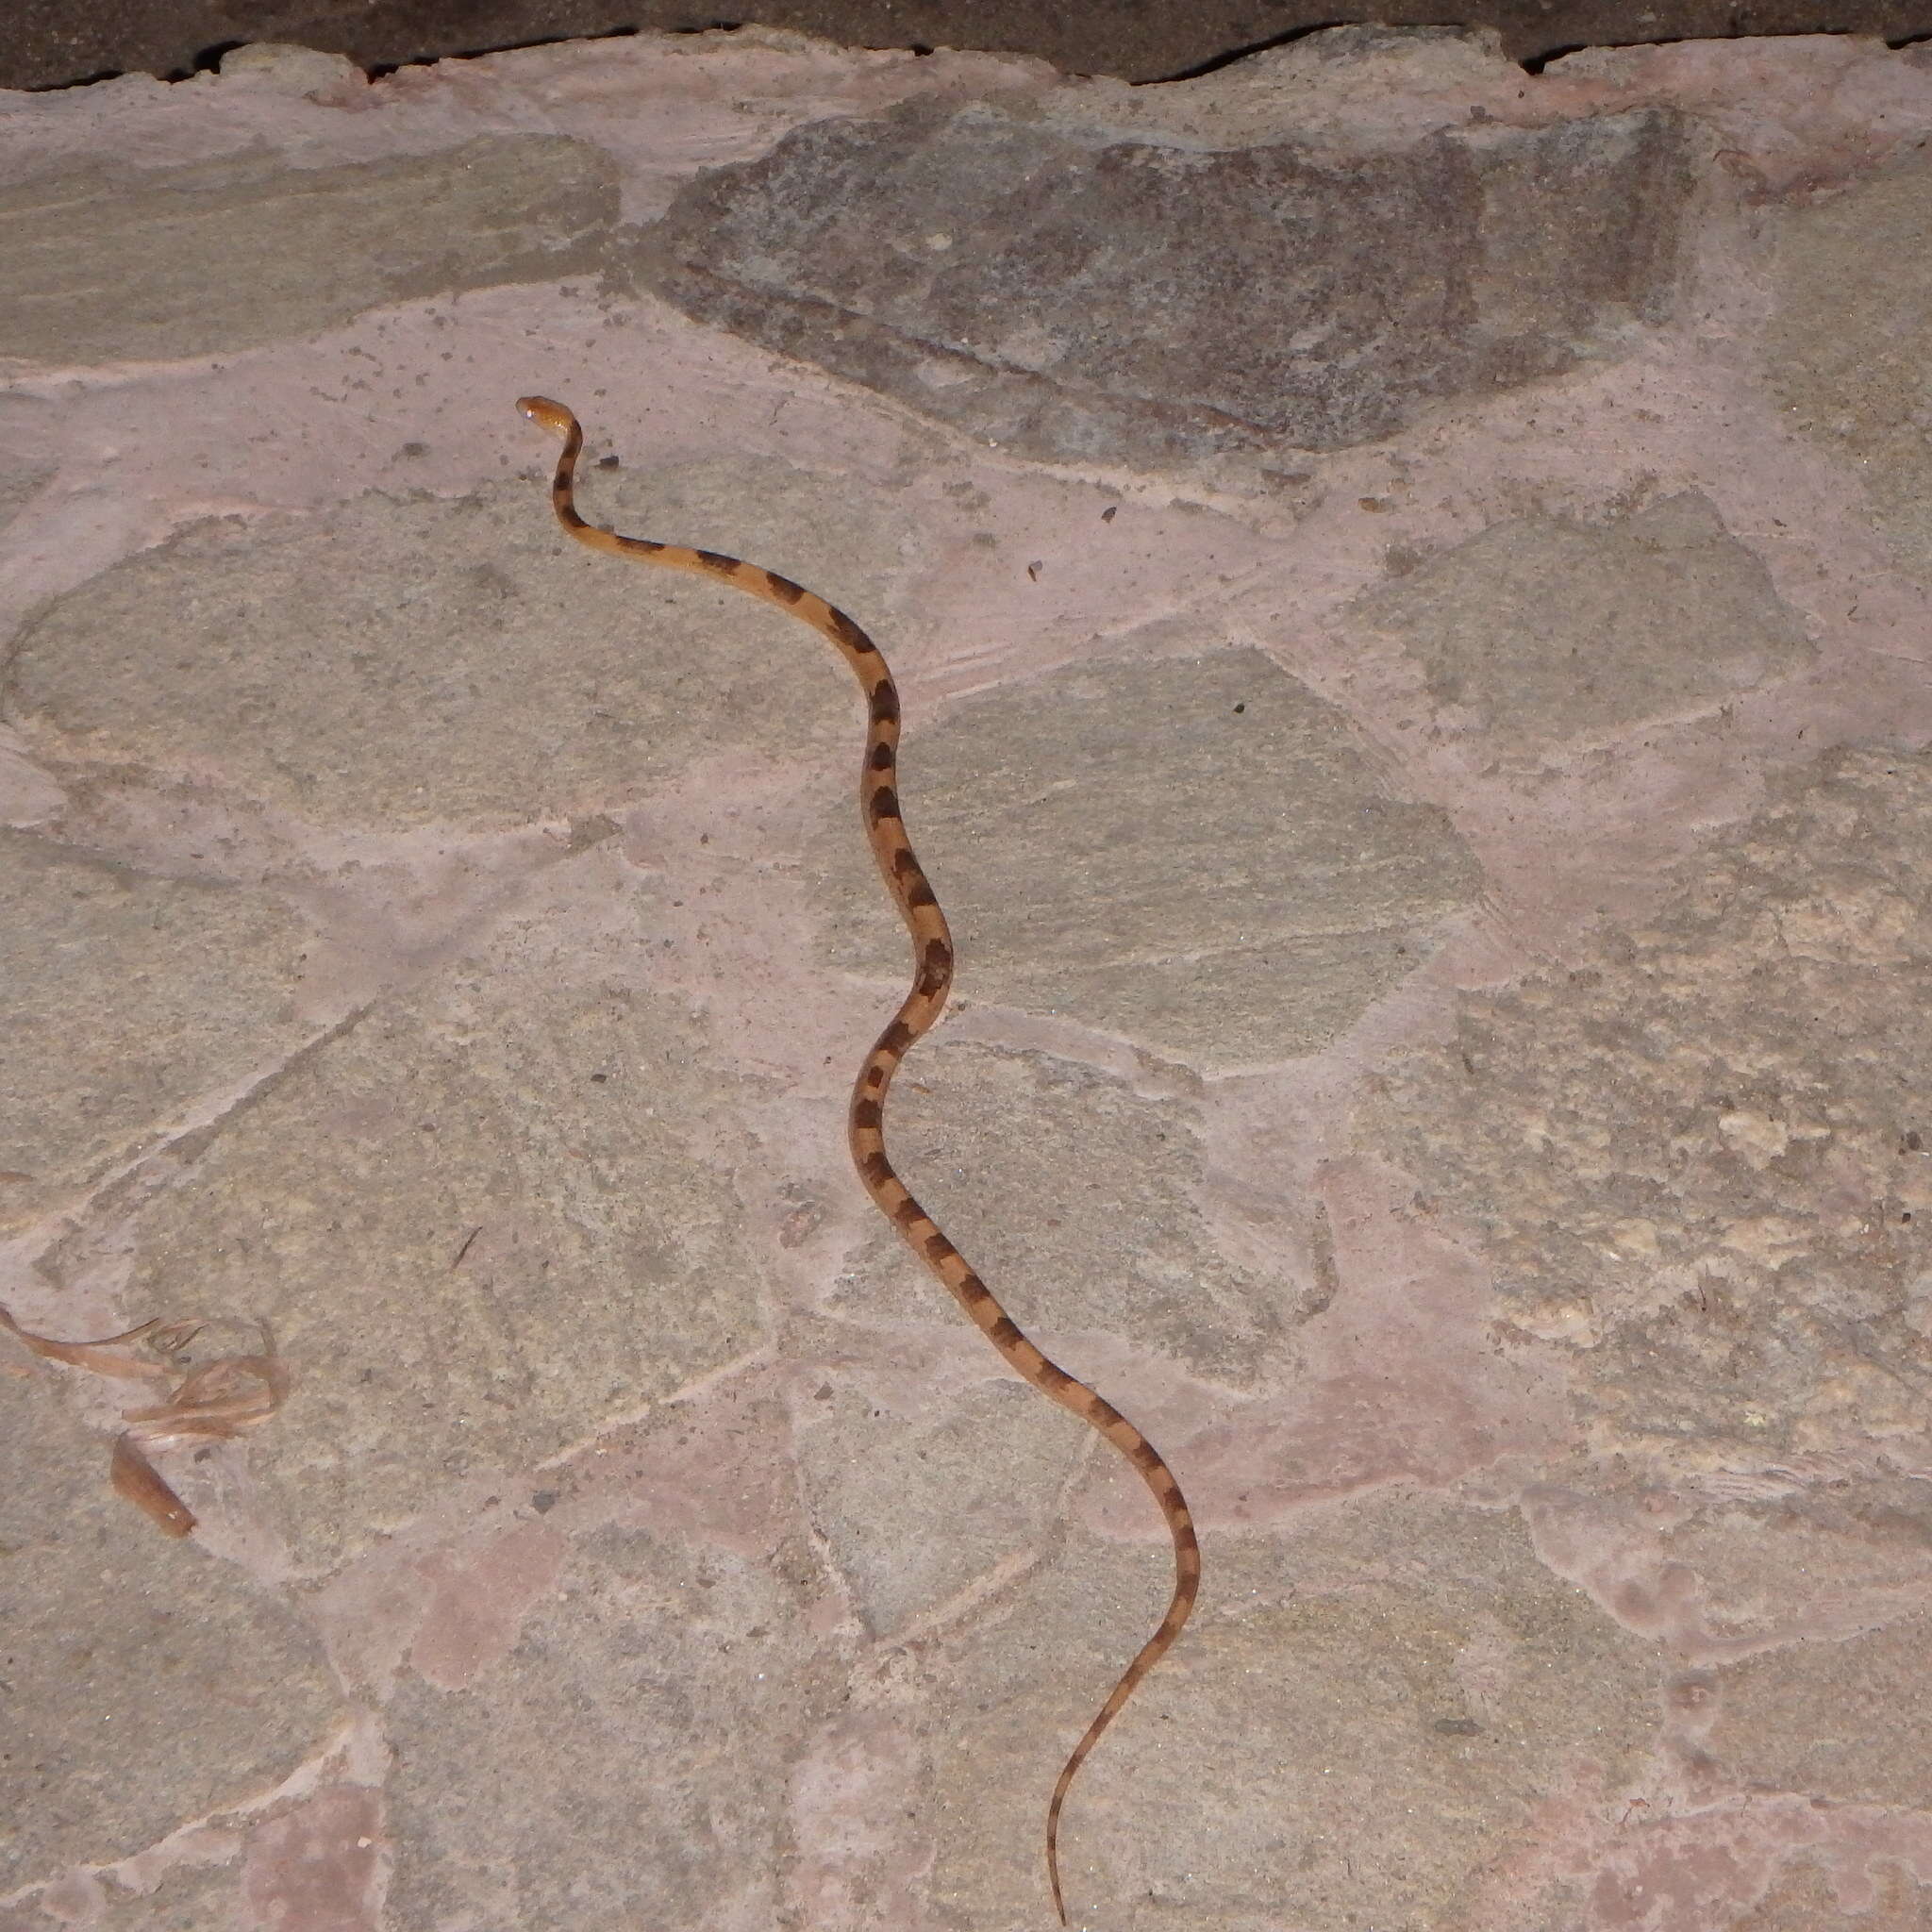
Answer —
(547, 415)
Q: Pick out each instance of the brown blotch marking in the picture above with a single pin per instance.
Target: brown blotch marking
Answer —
(921, 894)
(716, 561)
(847, 633)
(909, 1213)
(867, 1115)
(783, 587)
(883, 804)
(874, 1076)
(905, 865)
(937, 1248)
(1004, 1333)
(895, 1039)
(934, 966)
(885, 706)
(975, 1290)
(881, 757)
(876, 1169)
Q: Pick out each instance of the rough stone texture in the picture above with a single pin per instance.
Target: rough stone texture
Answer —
(682, 1679)
(533, 678)
(1431, 788)
(147, 1683)
(1478, 620)
(1809, 1897)
(961, 259)
(1275, 889)
(127, 996)
(461, 1259)
(1852, 342)
(186, 1901)
(1446, 1679)
(1121, 1249)
(1836, 1719)
(1696, 1155)
(1119, 37)
(312, 245)
(995, 1462)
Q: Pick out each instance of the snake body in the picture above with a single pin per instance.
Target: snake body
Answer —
(932, 951)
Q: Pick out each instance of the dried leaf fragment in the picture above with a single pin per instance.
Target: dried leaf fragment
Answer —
(216, 1402)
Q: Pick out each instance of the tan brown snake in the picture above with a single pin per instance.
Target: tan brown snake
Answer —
(932, 953)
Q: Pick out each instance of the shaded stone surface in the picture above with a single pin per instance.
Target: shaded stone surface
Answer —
(1541, 632)
(127, 998)
(481, 1221)
(147, 1683)
(1273, 892)
(678, 1680)
(515, 676)
(1699, 1160)
(231, 253)
(962, 260)
(1850, 345)
(1140, 43)
(1072, 1195)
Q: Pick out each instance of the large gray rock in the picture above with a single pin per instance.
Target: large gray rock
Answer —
(1075, 293)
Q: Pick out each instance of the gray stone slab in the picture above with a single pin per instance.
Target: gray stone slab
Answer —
(1542, 632)
(1078, 294)
(186, 1900)
(232, 254)
(128, 997)
(1839, 1720)
(1274, 891)
(1814, 1890)
(474, 667)
(146, 1682)
(481, 1222)
(1407, 1685)
(993, 1463)
(681, 1682)
(1073, 1196)
(1849, 349)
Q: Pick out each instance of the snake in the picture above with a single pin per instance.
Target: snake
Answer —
(932, 978)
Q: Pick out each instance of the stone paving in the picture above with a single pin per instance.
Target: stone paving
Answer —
(1411, 585)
